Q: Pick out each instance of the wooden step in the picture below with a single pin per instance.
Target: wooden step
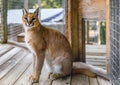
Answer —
(20, 37)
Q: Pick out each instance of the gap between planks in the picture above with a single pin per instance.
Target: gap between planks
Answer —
(5, 50)
(9, 55)
(7, 66)
(11, 77)
(78, 79)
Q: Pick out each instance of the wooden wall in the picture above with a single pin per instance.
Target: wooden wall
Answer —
(75, 31)
(93, 9)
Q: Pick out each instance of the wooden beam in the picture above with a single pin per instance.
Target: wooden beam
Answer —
(4, 20)
(87, 31)
(108, 34)
(74, 29)
(83, 49)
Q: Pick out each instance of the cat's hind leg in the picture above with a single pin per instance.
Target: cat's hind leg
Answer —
(61, 68)
(57, 73)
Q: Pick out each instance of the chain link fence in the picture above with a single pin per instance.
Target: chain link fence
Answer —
(1, 31)
(115, 41)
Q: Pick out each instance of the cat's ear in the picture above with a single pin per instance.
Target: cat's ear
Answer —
(36, 11)
(24, 11)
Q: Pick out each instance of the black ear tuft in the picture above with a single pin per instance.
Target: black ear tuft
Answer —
(24, 11)
(36, 11)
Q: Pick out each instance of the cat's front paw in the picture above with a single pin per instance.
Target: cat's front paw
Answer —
(33, 79)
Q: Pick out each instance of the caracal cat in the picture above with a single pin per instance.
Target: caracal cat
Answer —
(41, 41)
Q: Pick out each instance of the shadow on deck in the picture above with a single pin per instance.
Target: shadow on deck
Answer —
(15, 68)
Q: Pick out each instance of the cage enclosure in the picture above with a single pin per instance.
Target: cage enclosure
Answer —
(115, 41)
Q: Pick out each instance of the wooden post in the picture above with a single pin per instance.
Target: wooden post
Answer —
(81, 33)
(83, 56)
(26, 4)
(74, 29)
(108, 34)
(87, 31)
(4, 20)
(98, 29)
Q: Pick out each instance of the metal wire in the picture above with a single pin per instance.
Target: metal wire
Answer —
(1, 30)
(115, 41)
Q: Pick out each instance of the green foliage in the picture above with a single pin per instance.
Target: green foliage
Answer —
(15, 4)
(103, 33)
(18, 4)
(32, 4)
(51, 3)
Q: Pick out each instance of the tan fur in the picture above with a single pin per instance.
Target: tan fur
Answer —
(49, 44)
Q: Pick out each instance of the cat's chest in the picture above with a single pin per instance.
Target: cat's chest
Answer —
(35, 44)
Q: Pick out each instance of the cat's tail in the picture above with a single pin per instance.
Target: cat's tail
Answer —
(89, 70)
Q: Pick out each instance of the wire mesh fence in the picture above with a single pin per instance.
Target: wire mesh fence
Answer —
(1, 31)
(14, 18)
(115, 41)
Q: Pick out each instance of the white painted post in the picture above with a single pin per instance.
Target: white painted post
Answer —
(98, 28)
(39, 4)
(26, 4)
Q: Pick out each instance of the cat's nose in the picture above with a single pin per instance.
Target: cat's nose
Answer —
(29, 24)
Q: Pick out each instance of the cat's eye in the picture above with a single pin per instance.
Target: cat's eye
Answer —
(33, 19)
(25, 18)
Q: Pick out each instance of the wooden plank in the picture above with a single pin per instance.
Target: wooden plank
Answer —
(21, 37)
(5, 50)
(62, 81)
(44, 82)
(102, 81)
(17, 71)
(96, 57)
(8, 55)
(2, 46)
(96, 50)
(79, 80)
(24, 79)
(96, 46)
(95, 54)
(93, 81)
(97, 63)
(96, 60)
(21, 45)
(7, 66)
(108, 34)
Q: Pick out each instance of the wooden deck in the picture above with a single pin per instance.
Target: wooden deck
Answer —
(15, 68)
(96, 55)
